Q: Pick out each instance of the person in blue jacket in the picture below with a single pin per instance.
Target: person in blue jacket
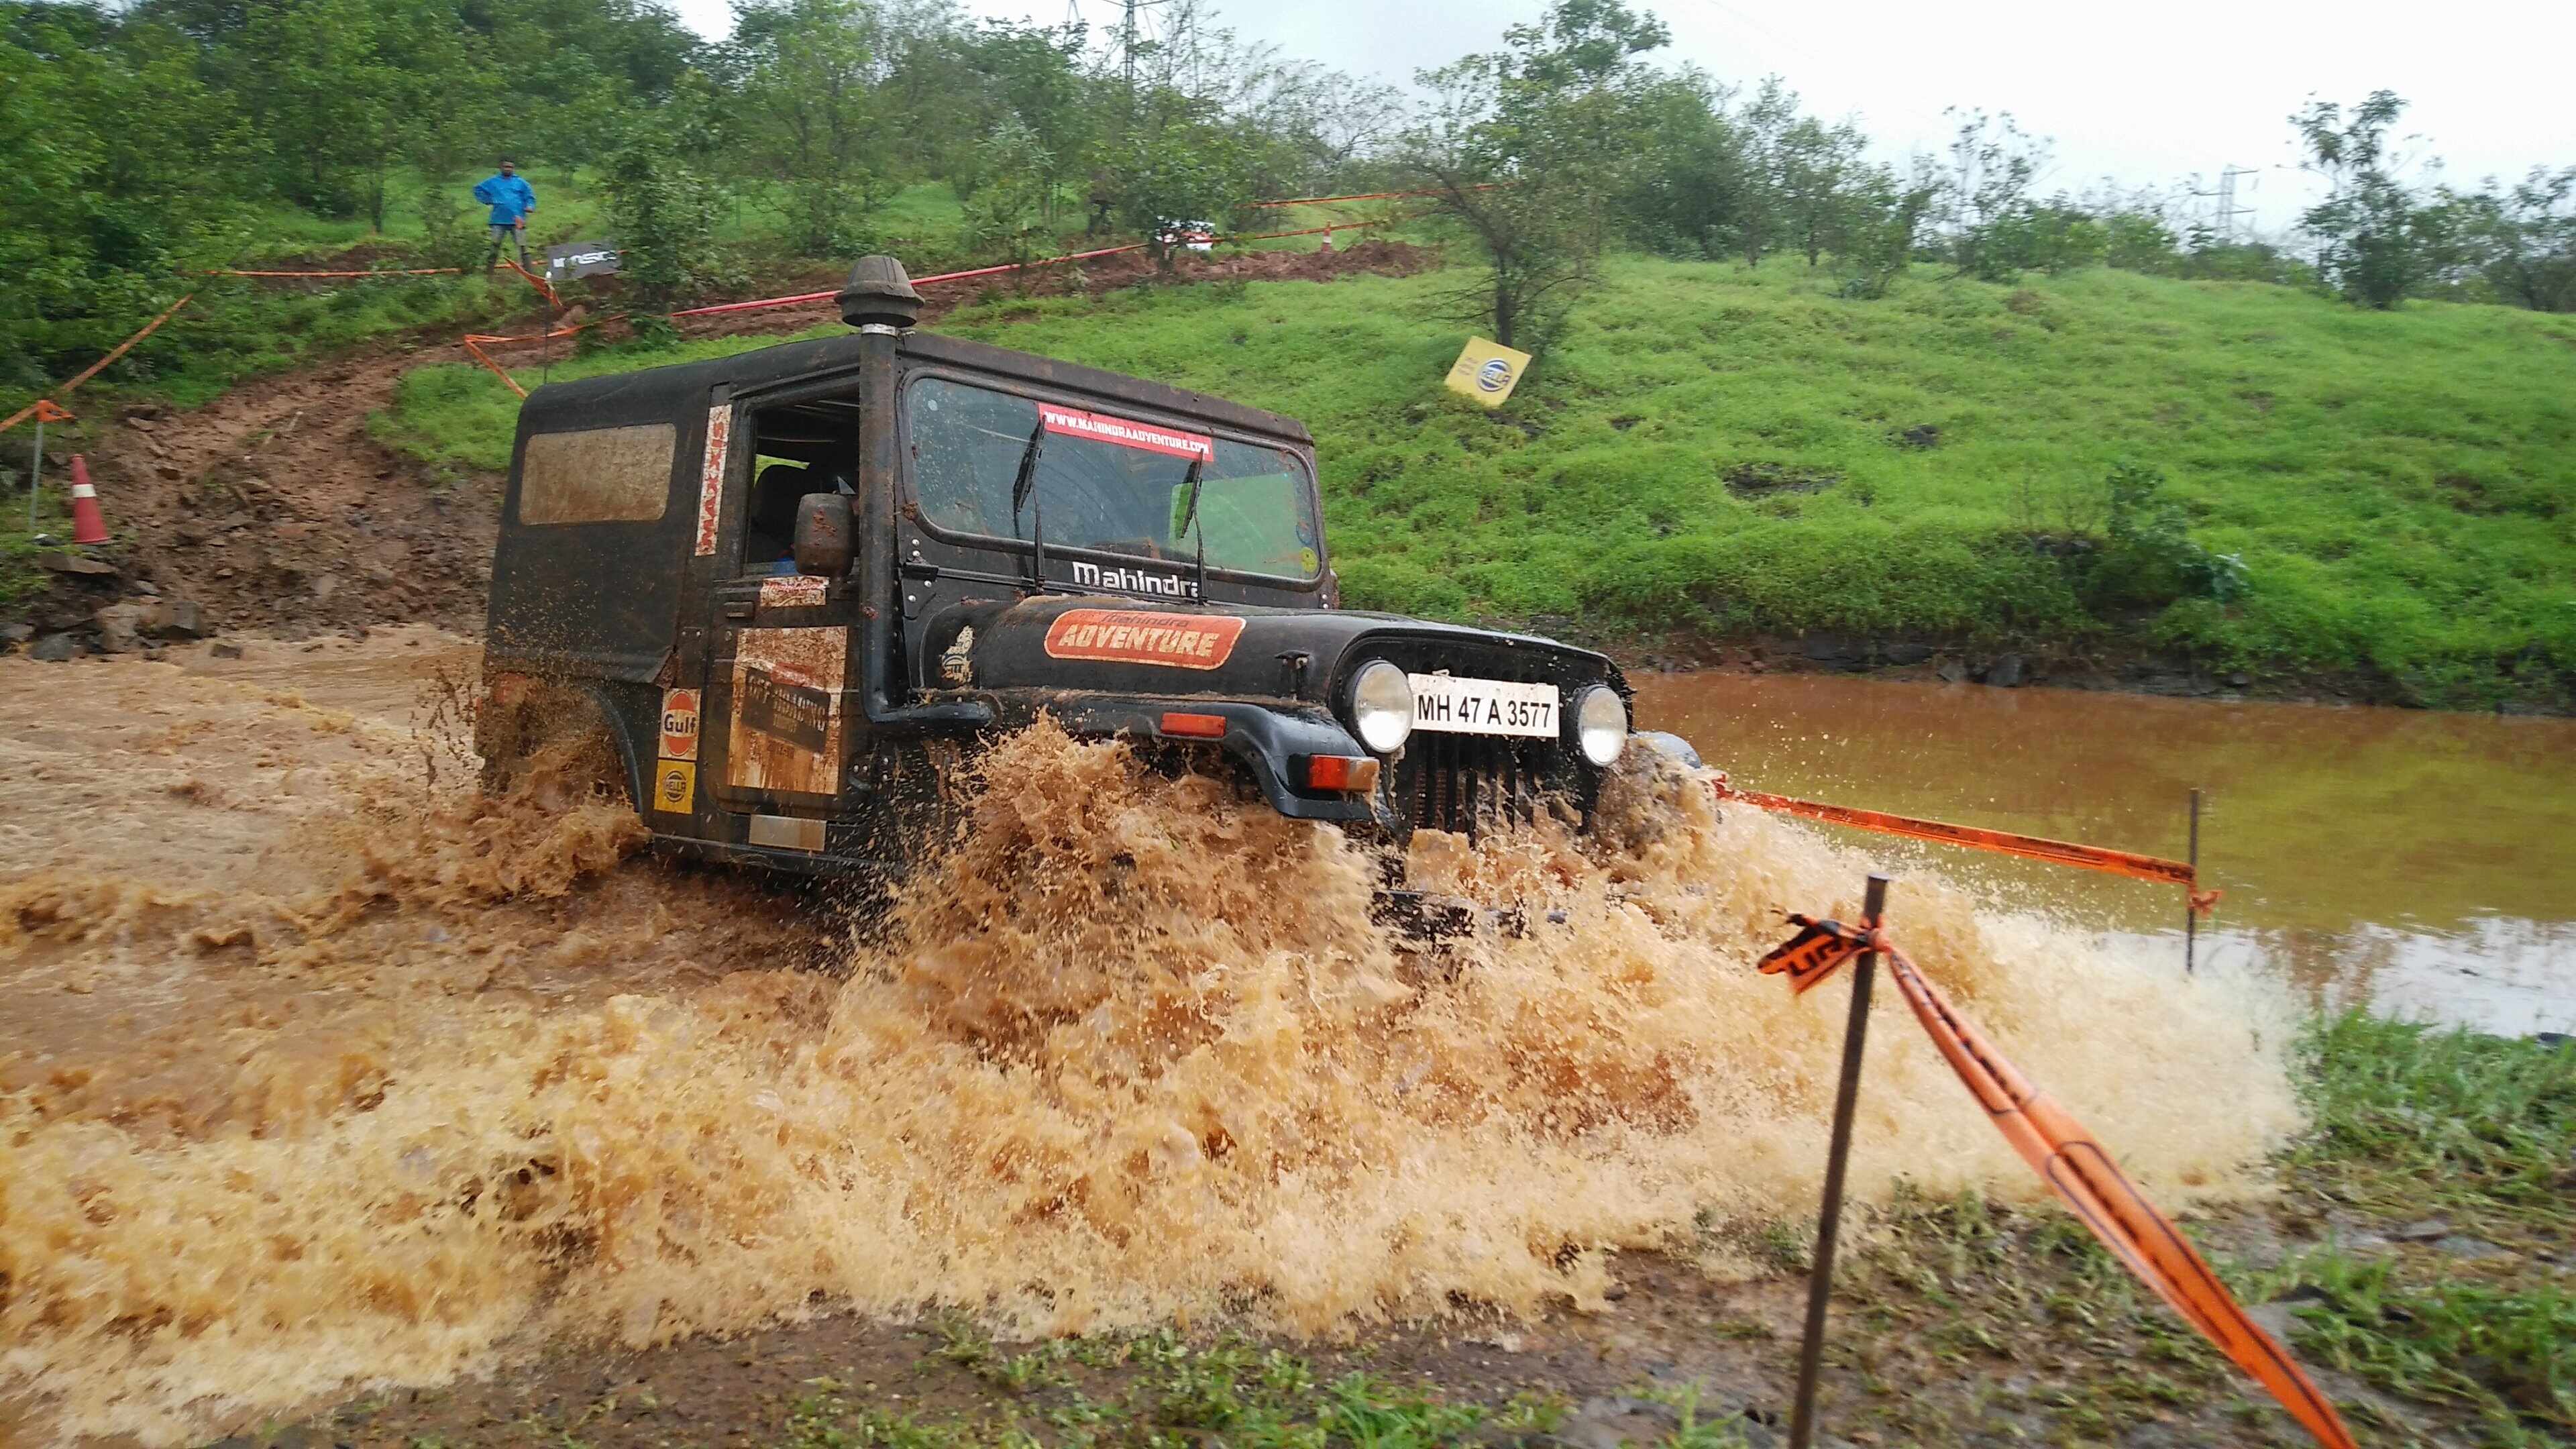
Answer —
(511, 199)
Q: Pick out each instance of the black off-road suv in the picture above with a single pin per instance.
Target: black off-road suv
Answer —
(791, 590)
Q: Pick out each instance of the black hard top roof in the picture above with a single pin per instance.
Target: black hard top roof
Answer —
(659, 393)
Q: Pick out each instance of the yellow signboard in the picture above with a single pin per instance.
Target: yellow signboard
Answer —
(1487, 371)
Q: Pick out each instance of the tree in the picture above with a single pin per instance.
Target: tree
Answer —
(354, 89)
(1687, 189)
(1761, 139)
(1885, 221)
(1817, 167)
(1526, 148)
(101, 215)
(665, 216)
(1034, 75)
(807, 70)
(1180, 172)
(2522, 239)
(2376, 241)
(1010, 200)
(1985, 193)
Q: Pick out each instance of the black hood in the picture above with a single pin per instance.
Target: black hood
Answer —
(1115, 644)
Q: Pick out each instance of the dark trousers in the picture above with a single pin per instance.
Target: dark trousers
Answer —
(501, 234)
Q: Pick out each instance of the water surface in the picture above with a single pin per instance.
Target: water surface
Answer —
(2423, 861)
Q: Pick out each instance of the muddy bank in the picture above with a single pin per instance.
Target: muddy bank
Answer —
(329, 1077)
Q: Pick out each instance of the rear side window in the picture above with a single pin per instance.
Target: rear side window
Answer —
(600, 475)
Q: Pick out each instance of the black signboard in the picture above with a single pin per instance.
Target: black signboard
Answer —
(581, 259)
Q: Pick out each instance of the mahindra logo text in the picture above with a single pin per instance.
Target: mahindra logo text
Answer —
(1134, 581)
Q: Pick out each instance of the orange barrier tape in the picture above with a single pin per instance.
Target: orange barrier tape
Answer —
(380, 272)
(512, 383)
(2075, 1168)
(807, 299)
(1361, 196)
(95, 368)
(544, 288)
(2032, 847)
(475, 342)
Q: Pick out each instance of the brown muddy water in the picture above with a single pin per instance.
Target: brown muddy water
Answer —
(319, 1074)
(2422, 862)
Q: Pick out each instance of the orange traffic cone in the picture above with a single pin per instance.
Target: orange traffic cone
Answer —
(88, 525)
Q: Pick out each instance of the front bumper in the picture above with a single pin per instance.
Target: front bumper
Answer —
(1271, 740)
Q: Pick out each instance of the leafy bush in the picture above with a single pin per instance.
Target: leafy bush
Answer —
(2150, 559)
(665, 216)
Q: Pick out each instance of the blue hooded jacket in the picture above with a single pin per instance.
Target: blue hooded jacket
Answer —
(510, 197)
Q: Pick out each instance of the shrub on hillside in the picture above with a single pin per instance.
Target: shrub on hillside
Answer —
(2148, 558)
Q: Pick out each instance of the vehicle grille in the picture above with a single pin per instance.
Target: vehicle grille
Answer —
(1468, 783)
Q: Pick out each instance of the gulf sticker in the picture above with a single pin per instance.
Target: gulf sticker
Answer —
(793, 591)
(1127, 636)
(675, 787)
(1127, 434)
(679, 724)
(711, 476)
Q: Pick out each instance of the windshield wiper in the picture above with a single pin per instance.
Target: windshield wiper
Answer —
(1190, 515)
(1024, 489)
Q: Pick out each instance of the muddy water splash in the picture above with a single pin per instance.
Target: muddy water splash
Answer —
(1131, 1054)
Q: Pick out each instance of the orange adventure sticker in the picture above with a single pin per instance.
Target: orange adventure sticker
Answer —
(1125, 636)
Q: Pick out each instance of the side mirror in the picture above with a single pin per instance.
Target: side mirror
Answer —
(823, 534)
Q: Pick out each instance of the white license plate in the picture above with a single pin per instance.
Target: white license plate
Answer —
(1483, 706)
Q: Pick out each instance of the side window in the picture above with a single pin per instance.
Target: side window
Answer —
(769, 530)
(599, 475)
(797, 449)
(966, 449)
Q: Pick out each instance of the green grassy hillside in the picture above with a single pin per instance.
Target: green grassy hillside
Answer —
(1716, 449)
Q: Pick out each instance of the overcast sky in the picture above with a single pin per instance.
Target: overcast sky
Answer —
(2148, 94)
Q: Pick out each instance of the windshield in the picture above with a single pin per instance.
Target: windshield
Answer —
(1108, 482)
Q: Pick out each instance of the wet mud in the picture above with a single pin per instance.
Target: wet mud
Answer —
(320, 1074)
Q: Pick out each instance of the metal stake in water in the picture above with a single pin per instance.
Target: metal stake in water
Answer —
(1802, 1419)
(35, 475)
(2190, 912)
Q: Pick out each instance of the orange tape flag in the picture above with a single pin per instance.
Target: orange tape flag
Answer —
(2004, 842)
(95, 368)
(2075, 1168)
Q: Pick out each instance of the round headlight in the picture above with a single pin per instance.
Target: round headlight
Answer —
(1601, 722)
(1382, 706)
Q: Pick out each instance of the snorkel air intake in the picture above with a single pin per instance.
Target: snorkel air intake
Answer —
(879, 294)
(881, 303)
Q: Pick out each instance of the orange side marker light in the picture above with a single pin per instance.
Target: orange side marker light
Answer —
(1352, 774)
(1194, 726)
